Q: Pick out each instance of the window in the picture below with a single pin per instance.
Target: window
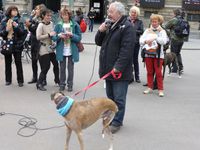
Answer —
(193, 17)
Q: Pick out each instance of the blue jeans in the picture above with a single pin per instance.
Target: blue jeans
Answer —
(117, 90)
(91, 25)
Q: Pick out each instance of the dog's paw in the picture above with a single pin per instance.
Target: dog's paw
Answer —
(103, 135)
(179, 77)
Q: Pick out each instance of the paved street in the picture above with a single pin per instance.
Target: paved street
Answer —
(151, 122)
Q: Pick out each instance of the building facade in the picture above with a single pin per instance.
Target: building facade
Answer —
(163, 7)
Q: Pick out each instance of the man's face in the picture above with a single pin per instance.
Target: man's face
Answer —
(113, 14)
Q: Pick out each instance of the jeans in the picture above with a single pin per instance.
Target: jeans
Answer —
(91, 25)
(70, 68)
(117, 91)
(176, 48)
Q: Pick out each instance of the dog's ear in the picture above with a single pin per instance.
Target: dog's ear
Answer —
(54, 94)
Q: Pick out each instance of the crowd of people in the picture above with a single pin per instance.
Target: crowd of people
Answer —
(120, 42)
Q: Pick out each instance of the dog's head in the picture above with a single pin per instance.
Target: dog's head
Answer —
(57, 96)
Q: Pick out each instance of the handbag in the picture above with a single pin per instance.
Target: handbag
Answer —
(80, 46)
(6, 47)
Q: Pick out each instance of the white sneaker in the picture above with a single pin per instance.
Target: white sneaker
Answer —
(148, 90)
(160, 93)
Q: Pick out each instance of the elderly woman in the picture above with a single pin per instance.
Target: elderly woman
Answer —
(138, 25)
(152, 42)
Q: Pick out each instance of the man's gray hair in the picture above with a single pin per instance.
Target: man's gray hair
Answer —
(119, 7)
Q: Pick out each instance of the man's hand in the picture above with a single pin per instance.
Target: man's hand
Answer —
(103, 27)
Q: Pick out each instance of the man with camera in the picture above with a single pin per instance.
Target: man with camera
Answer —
(116, 38)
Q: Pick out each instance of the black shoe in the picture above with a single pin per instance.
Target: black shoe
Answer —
(32, 81)
(145, 84)
(62, 88)
(44, 83)
(131, 81)
(138, 80)
(114, 129)
(70, 89)
(20, 84)
(8, 83)
(40, 87)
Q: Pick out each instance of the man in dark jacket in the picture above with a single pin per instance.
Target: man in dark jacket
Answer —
(176, 42)
(117, 41)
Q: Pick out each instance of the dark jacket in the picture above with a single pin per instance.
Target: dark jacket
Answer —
(171, 24)
(32, 28)
(116, 49)
(19, 34)
(139, 28)
(91, 14)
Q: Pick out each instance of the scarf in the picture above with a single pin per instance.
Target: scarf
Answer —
(64, 105)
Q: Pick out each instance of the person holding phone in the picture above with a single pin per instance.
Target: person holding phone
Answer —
(68, 33)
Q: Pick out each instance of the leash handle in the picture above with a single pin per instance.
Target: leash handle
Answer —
(116, 75)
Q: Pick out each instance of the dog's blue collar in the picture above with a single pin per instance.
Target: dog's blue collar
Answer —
(66, 106)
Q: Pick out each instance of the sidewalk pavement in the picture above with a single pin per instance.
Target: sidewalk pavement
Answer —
(151, 122)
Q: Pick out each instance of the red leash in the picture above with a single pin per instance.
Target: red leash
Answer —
(114, 74)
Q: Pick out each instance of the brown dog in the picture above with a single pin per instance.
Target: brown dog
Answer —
(83, 114)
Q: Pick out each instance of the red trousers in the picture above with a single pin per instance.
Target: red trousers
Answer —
(153, 68)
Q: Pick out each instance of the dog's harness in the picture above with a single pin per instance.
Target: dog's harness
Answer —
(64, 105)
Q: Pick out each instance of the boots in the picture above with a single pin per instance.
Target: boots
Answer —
(40, 87)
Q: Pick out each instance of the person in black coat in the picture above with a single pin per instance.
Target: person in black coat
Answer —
(139, 27)
(32, 25)
(117, 41)
(13, 32)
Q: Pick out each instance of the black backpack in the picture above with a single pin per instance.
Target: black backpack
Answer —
(182, 29)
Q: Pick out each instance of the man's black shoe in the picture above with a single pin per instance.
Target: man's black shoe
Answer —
(131, 81)
(114, 129)
(32, 81)
(8, 83)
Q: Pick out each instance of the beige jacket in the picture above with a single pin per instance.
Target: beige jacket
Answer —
(42, 36)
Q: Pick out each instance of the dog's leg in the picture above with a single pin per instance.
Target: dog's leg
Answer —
(80, 139)
(106, 121)
(164, 66)
(107, 118)
(69, 132)
(170, 69)
(109, 133)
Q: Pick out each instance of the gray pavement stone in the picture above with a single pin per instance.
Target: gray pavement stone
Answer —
(151, 122)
